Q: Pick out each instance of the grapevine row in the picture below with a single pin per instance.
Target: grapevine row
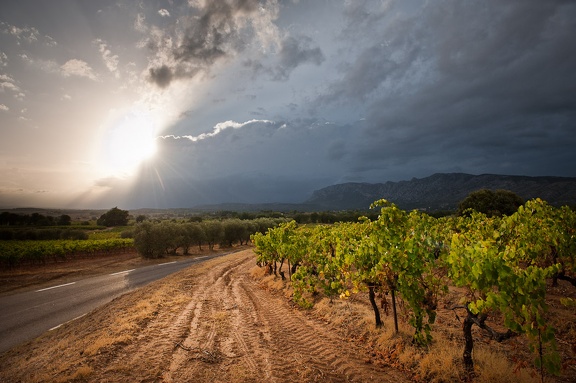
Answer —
(13, 253)
(503, 262)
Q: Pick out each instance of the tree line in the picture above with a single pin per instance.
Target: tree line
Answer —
(34, 219)
(156, 239)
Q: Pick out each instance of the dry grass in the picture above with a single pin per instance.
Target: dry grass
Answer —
(82, 373)
(103, 333)
(123, 328)
(495, 368)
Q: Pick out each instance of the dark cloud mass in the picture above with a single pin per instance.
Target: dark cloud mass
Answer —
(161, 76)
(474, 82)
(213, 30)
(263, 101)
(294, 52)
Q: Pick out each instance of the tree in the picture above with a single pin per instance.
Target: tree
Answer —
(213, 231)
(492, 203)
(193, 235)
(64, 220)
(114, 217)
(149, 240)
(233, 231)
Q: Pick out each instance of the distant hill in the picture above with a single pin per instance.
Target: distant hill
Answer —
(442, 191)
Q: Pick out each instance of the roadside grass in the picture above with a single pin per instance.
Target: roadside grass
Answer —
(80, 343)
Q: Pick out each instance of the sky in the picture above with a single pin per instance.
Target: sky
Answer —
(174, 103)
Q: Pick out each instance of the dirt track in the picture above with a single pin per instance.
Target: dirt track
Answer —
(211, 323)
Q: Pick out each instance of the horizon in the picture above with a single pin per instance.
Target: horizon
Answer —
(301, 203)
(194, 103)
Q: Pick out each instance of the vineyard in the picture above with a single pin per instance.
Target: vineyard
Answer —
(14, 253)
(151, 239)
(503, 266)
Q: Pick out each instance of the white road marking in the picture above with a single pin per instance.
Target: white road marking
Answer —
(54, 287)
(123, 272)
(62, 324)
(167, 263)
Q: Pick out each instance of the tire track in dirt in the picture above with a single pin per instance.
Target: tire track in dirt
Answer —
(294, 346)
(229, 329)
(253, 339)
(160, 343)
(202, 343)
(298, 351)
(156, 342)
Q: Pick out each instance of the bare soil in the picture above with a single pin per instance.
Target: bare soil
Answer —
(212, 322)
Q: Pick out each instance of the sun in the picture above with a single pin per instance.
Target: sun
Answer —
(127, 144)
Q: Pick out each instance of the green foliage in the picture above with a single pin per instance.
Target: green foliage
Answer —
(34, 219)
(502, 263)
(491, 203)
(406, 246)
(158, 239)
(502, 257)
(154, 240)
(213, 231)
(14, 253)
(40, 234)
(114, 217)
(141, 218)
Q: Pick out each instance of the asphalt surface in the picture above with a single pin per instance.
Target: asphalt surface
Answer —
(27, 315)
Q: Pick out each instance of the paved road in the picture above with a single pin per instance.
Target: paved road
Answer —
(27, 315)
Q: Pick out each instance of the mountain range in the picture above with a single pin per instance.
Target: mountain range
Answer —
(438, 192)
(442, 191)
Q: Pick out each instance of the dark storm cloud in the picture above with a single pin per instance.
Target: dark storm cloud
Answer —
(215, 31)
(161, 76)
(295, 52)
(222, 30)
(481, 86)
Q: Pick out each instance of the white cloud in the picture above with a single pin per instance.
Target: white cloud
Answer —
(4, 108)
(73, 67)
(48, 66)
(3, 59)
(7, 82)
(50, 41)
(139, 23)
(221, 126)
(164, 12)
(27, 34)
(110, 60)
(4, 77)
(78, 68)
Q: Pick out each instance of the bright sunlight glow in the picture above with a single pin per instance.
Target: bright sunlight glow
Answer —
(127, 144)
